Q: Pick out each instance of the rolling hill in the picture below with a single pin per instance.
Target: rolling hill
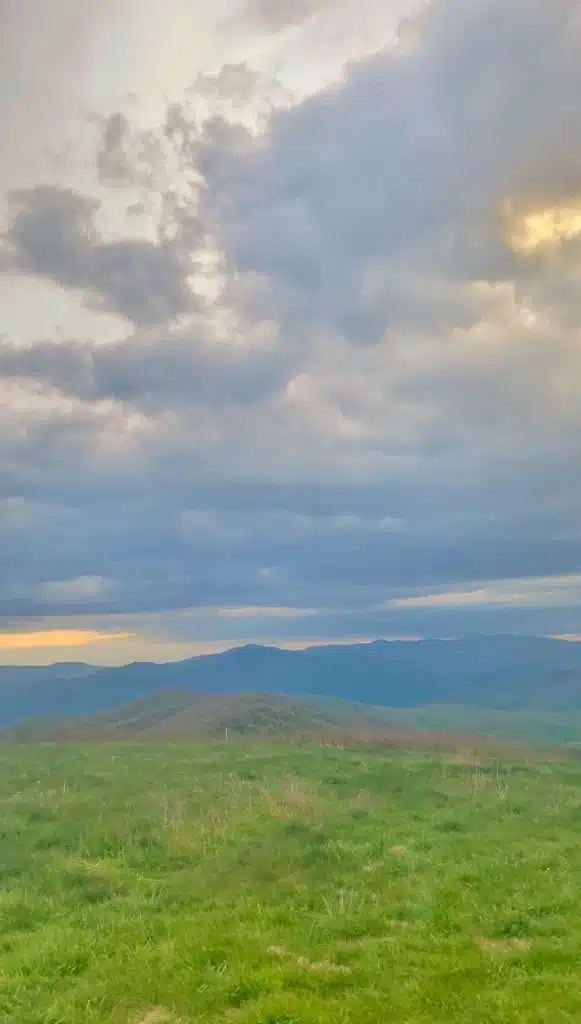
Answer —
(185, 718)
(174, 715)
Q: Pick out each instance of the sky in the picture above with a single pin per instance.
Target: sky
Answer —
(290, 323)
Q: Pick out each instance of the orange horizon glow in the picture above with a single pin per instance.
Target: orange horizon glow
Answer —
(37, 647)
(56, 638)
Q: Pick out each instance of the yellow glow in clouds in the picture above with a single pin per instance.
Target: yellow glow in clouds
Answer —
(56, 638)
(543, 229)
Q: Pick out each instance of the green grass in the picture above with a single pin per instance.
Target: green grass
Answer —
(270, 884)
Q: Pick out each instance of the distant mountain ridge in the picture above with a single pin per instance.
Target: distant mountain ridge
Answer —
(490, 672)
(39, 673)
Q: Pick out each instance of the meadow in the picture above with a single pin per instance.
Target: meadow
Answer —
(266, 883)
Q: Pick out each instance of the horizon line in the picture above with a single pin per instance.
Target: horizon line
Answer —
(291, 646)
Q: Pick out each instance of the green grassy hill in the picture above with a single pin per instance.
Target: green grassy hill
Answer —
(180, 716)
(273, 884)
(192, 716)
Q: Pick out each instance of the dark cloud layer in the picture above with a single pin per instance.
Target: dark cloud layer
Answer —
(379, 394)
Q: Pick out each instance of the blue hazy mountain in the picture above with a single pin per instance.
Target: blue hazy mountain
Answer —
(491, 672)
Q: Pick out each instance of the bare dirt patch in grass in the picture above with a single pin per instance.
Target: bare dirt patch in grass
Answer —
(315, 966)
(500, 946)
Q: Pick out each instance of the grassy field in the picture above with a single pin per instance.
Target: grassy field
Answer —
(266, 884)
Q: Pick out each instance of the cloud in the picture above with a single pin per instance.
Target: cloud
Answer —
(42, 51)
(542, 592)
(371, 399)
(53, 235)
(547, 228)
(264, 612)
(278, 15)
(157, 371)
(322, 226)
(81, 589)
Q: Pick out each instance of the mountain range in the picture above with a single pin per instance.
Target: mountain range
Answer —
(496, 673)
